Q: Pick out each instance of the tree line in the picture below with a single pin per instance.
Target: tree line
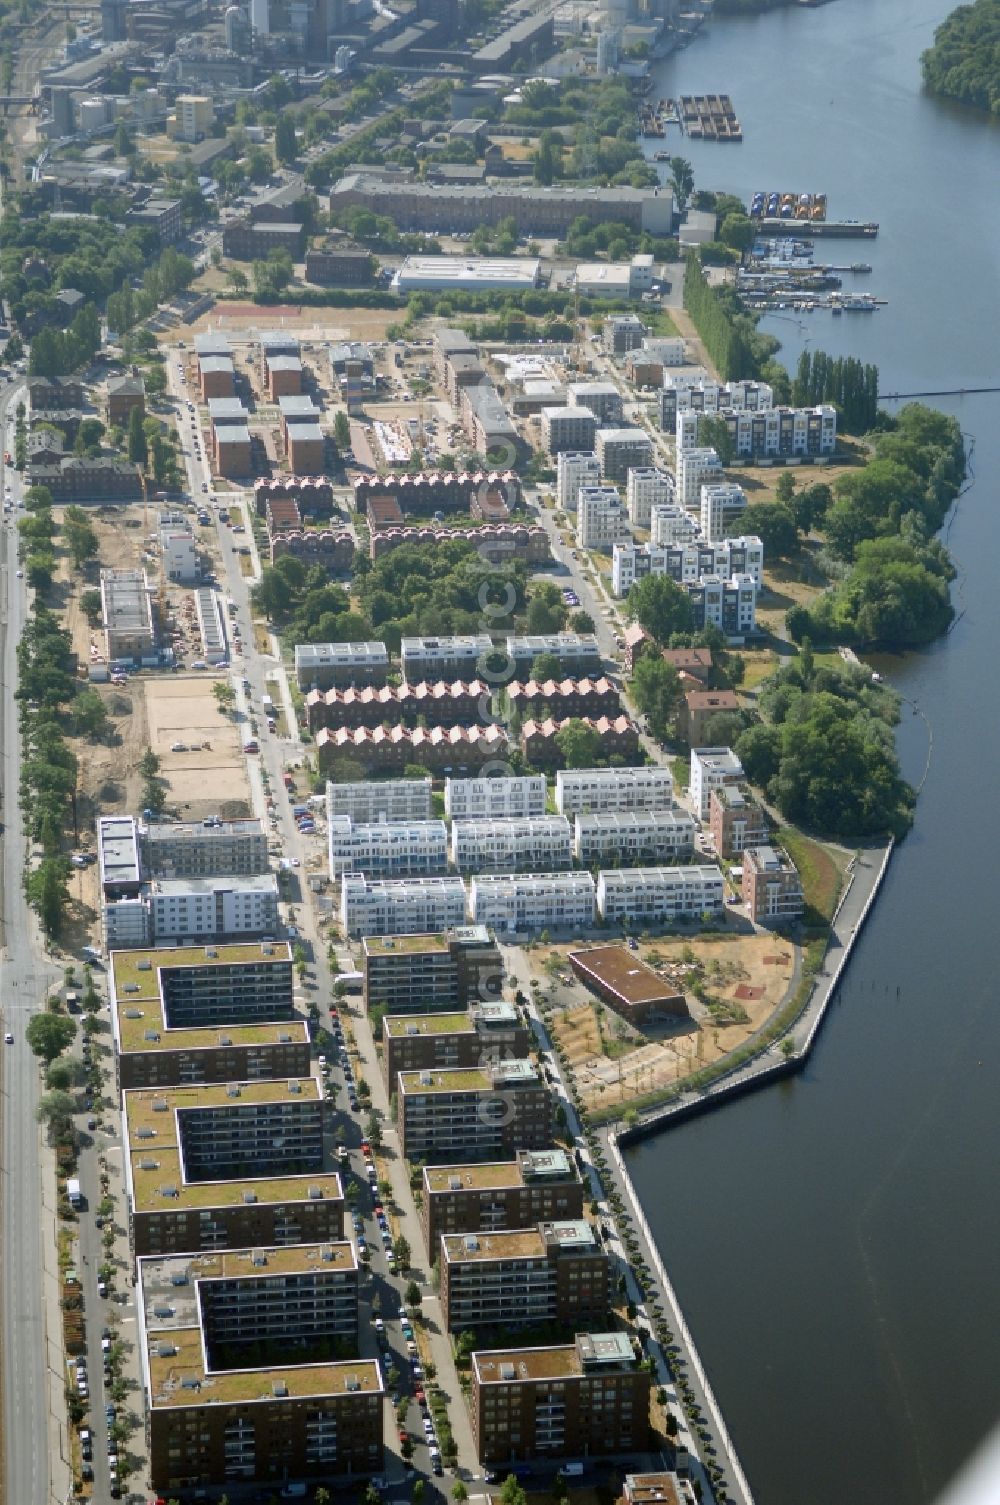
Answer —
(843, 380)
(713, 317)
(964, 61)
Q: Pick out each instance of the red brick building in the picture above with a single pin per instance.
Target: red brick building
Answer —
(736, 821)
(332, 550)
(564, 698)
(439, 748)
(619, 738)
(312, 494)
(495, 544)
(772, 889)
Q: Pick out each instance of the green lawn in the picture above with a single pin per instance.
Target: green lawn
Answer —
(822, 875)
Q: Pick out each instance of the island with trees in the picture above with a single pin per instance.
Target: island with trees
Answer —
(964, 61)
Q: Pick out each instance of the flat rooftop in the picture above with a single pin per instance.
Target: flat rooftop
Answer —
(654, 1489)
(118, 849)
(137, 1023)
(407, 1026)
(459, 1079)
(194, 830)
(135, 974)
(591, 1353)
(244, 883)
(490, 1177)
(155, 1163)
(393, 945)
(623, 972)
(483, 1248)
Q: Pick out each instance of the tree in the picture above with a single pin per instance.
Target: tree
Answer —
(713, 433)
(48, 1035)
(661, 606)
(582, 621)
(546, 666)
(723, 729)
(413, 1294)
(773, 524)
(62, 1075)
(579, 744)
(56, 1109)
(737, 232)
(225, 695)
(237, 279)
(681, 181)
(45, 887)
(149, 764)
(459, 1491)
(342, 432)
(546, 609)
(656, 690)
(512, 1492)
(90, 714)
(138, 448)
(401, 1249)
(285, 144)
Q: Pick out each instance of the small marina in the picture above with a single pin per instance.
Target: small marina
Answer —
(703, 117)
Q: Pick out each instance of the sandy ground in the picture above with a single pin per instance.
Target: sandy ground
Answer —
(324, 324)
(745, 978)
(209, 777)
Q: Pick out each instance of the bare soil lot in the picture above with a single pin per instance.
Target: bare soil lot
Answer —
(209, 777)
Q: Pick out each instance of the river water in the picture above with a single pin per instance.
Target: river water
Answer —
(834, 1240)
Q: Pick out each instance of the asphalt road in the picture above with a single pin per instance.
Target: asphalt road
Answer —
(25, 976)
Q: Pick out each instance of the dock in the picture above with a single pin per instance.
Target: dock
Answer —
(708, 117)
(844, 229)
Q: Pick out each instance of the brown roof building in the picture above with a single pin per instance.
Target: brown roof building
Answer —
(736, 821)
(636, 641)
(439, 748)
(313, 495)
(439, 704)
(556, 1271)
(694, 661)
(697, 709)
(518, 1193)
(428, 492)
(619, 738)
(331, 550)
(496, 544)
(589, 1396)
(282, 514)
(626, 984)
(305, 448)
(564, 697)
(382, 511)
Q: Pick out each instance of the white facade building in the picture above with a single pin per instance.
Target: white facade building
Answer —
(730, 605)
(512, 846)
(472, 273)
(711, 768)
(126, 924)
(202, 907)
(532, 901)
(382, 799)
(401, 906)
(650, 895)
(689, 563)
(443, 658)
(575, 468)
(580, 791)
(408, 849)
(515, 798)
(602, 398)
(696, 468)
(634, 836)
(668, 349)
(685, 392)
(721, 504)
(177, 550)
(645, 489)
(783, 432)
(671, 524)
(601, 521)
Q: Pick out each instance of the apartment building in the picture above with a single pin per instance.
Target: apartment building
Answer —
(556, 1271)
(440, 1042)
(192, 908)
(130, 628)
(207, 986)
(658, 1489)
(669, 523)
(517, 1193)
(602, 398)
(564, 698)
(406, 849)
(633, 837)
(567, 429)
(783, 432)
(622, 333)
(698, 709)
(650, 895)
(772, 888)
(687, 564)
(696, 467)
(647, 487)
(532, 901)
(621, 450)
(119, 858)
(320, 666)
(685, 392)
(514, 797)
(618, 740)
(601, 519)
(721, 505)
(577, 652)
(586, 1397)
(414, 973)
(712, 768)
(443, 657)
(736, 821)
(185, 1190)
(386, 799)
(460, 702)
(584, 791)
(575, 468)
(473, 1113)
(537, 844)
(730, 605)
(401, 906)
(215, 1413)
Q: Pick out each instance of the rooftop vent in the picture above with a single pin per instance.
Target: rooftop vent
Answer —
(279, 1388)
(152, 1035)
(179, 1278)
(352, 1382)
(211, 951)
(133, 1013)
(284, 1038)
(162, 1310)
(145, 965)
(225, 1039)
(159, 1105)
(315, 1193)
(258, 1257)
(507, 1372)
(145, 1132)
(232, 1090)
(249, 1196)
(267, 950)
(426, 1079)
(131, 987)
(413, 1029)
(327, 1253)
(165, 1350)
(148, 1165)
(471, 1244)
(188, 1382)
(294, 1085)
(454, 1183)
(168, 1191)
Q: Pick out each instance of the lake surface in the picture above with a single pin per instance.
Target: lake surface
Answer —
(834, 1240)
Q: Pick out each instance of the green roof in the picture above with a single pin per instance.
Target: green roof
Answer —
(460, 1079)
(402, 1026)
(135, 974)
(392, 945)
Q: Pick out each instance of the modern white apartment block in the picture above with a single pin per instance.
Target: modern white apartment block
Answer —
(783, 432)
(712, 768)
(443, 658)
(645, 489)
(601, 521)
(582, 791)
(721, 504)
(199, 907)
(696, 468)
(514, 798)
(567, 428)
(532, 901)
(622, 449)
(401, 906)
(575, 468)
(687, 564)
(634, 836)
(672, 524)
(397, 849)
(177, 548)
(578, 652)
(684, 393)
(512, 846)
(601, 397)
(649, 895)
(203, 849)
(668, 349)
(320, 666)
(730, 605)
(382, 799)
